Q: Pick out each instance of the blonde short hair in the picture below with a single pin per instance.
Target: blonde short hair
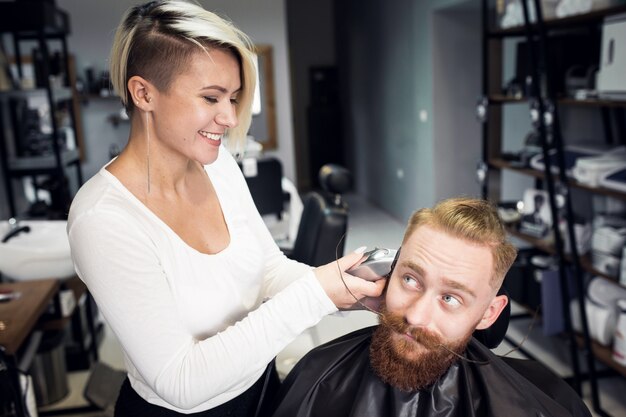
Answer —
(474, 220)
(156, 40)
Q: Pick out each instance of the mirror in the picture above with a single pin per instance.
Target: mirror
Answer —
(263, 127)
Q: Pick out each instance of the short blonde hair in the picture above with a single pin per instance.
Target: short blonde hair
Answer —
(474, 220)
(156, 40)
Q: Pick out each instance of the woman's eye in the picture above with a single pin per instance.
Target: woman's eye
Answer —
(234, 101)
(451, 301)
(210, 99)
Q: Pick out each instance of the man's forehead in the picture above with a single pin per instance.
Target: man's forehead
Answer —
(458, 259)
(461, 283)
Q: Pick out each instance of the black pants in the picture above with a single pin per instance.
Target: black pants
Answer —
(252, 403)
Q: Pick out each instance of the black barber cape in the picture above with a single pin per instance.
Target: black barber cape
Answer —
(336, 380)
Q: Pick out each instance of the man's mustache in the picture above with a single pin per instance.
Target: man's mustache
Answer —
(399, 325)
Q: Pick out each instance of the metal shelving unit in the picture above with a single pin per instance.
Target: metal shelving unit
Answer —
(544, 103)
(42, 23)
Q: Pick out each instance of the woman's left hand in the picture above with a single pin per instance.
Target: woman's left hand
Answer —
(347, 290)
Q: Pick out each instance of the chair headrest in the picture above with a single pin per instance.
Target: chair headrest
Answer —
(335, 179)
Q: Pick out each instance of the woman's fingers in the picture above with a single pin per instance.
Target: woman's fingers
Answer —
(345, 289)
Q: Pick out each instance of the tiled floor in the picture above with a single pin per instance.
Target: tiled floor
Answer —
(372, 227)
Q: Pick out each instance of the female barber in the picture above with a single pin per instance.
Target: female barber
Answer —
(167, 237)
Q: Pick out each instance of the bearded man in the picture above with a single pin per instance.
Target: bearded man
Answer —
(422, 360)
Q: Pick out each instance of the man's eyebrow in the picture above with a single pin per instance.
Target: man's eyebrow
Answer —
(447, 282)
(458, 286)
(415, 267)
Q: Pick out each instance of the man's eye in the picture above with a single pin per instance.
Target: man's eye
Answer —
(451, 301)
(210, 99)
(410, 281)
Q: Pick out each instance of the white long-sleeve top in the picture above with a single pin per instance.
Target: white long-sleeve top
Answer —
(193, 327)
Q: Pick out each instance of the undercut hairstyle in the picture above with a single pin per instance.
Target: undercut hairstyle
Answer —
(475, 221)
(157, 40)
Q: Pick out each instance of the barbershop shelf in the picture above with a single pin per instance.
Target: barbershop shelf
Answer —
(604, 354)
(58, 94)
(593, 17)
(538, 37)
(566, 101)
(548, 247)
(593, 102)
(502, 99)
(503, 164)
(35, 165)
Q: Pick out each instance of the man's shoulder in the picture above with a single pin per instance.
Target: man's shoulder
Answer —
(521, 381)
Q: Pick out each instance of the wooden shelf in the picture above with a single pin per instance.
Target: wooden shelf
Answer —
(35, 165)
(502, 164)
(590, 18)
(541, 244)
(502, 99)
(604, 354)
(548, 247)
(58, 93)
(592, 102)
(565, 101)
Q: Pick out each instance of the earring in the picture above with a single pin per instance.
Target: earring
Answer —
(148, 150)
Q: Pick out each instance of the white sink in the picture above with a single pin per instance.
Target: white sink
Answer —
(44, 252)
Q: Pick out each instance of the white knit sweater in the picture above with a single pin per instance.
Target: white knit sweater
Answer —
(194, 328)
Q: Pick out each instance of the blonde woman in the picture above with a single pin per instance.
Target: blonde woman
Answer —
(167, 237)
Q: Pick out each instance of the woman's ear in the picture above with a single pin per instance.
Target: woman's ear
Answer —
(493, 312)
(139, 92)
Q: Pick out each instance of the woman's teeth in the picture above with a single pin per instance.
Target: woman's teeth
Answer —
(211, 136)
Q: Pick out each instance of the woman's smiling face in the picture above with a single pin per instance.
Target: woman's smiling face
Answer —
(192, 116)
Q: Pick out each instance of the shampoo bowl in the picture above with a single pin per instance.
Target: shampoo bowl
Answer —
(40, 253)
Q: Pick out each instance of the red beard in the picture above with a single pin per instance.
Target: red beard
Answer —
(404, 364)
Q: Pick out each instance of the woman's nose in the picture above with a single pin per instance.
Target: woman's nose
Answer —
(227, 116)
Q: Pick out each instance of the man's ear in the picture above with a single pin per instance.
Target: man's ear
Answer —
(493, 312)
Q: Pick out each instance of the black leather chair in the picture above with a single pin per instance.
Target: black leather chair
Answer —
(324, 221)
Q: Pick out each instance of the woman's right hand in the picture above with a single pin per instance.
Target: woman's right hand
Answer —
(330, 278)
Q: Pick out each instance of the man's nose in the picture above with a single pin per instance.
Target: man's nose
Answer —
(419, 312)
(227, 116)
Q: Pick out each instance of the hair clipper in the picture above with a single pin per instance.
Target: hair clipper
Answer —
(378, 264)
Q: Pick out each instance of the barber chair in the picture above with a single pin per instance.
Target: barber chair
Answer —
(324, 221)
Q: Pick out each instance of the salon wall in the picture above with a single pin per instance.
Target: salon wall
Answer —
(456, 68)
(93, 25)
(401, 162)
(305, 17)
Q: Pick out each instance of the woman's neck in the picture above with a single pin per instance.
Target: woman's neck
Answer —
(159, 169)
